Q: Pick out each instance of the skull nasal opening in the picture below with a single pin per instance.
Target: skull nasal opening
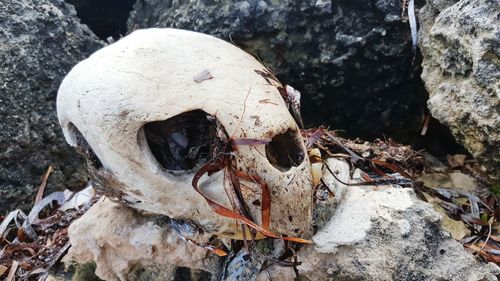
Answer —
(182, 142)
(285, 151)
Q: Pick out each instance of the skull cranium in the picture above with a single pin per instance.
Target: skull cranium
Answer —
(146, 106)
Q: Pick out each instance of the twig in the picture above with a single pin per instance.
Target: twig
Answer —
(56, 258)
(12, 271)
(242, 113)
(489, 234)
(354, 156)
(327, 188)
(41, 188)
(384, 181)
(425, 124)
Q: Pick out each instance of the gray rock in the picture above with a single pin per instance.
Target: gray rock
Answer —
(350, 59)
(375, 233)
(388, 235)
(39, 42)
(460, 43)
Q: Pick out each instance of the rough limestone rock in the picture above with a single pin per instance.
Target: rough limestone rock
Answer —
(388, 235)
(350, 59)
(39, 42)
(385, 234)
(373, 234)
(460, 44)
(126, 245)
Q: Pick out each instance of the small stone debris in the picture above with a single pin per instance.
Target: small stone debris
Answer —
(202, 76)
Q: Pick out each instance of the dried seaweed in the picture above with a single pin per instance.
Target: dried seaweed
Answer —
(213, 167)
(480, 215)
(377, 159)
(30, 245)
(385, 162)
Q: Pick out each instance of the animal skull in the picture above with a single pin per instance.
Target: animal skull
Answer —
(145, 106)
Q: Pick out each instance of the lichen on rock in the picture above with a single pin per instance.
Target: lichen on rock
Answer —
(460, 43)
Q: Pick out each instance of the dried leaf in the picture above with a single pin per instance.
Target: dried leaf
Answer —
(377, 171)
(29, 247)
(392, 167)
(57, 196)
(12, 271)
(3, 269)
(489, 247)
(489, 257)
(495, 238)
(7, 220)
(474, 209)
(268, 76)
(265, 195)
(81, 198)
(219, 252)
(354, 156)
(41, 188)
(473, 220)
(38, 271)
(314, 137)
(21, 234)
(316, 173)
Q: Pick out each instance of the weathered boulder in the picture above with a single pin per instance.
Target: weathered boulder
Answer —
(127, 245)
(374, 233)
(39, 42)
(460, 44)
(378, 233)
(350, 59)
(388, 235)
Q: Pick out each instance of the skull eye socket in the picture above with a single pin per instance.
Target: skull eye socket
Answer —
(182, 142)
(285, 151)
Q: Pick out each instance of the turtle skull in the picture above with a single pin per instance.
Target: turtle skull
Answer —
(146, 106)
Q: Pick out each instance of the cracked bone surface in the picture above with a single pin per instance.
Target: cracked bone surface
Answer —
(145, 108)
(373, 234)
